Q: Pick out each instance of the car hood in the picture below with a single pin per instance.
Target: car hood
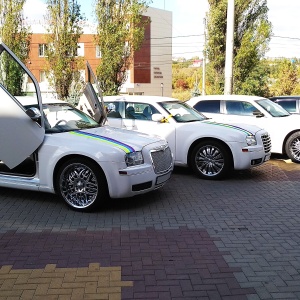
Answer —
(121, 138)
(234, 127)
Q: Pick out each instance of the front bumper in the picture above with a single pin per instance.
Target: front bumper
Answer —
(135, 180)
(248, 157)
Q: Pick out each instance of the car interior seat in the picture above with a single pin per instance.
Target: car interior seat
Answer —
(147, 112)
(130, 112)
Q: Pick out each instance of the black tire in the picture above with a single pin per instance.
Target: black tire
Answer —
(211, 160)
(81, 184)
(292, 147)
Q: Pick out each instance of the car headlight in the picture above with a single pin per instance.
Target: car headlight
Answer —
(134, 158)
(251, 140)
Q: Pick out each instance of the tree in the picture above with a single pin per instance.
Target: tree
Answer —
(120, 32)
(284, 77)
(62, 37)
(16, 35)
(251, 39)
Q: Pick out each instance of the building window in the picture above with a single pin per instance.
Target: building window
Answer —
(98, 52)
(80, 49)
(42, 50)
(43, 77)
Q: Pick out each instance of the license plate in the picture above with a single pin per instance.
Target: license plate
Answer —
(163, 178)
(267, 157)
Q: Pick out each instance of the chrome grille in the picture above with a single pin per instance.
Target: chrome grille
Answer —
(162, 159)
(266, 142)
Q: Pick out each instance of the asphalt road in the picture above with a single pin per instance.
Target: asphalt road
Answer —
(237, 238)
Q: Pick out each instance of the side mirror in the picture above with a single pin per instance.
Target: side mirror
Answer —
(34, 114)
(157, 117)
(258, 114)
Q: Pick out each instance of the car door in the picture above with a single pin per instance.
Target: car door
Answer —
(242, 112)
(21, 133)
(138, 117)
(92, 97)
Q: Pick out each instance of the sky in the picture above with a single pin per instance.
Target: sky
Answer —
(188, 24)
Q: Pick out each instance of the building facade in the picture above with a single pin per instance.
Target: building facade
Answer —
(150, 72)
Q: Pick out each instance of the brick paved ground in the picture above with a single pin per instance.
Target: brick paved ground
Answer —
(233, 239)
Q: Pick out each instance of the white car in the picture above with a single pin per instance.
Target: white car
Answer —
(53, 147)
(283, 127)
(211, 149)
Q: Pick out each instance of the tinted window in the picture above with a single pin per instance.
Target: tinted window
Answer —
(208, 106)
(289, 105)
(240, 108)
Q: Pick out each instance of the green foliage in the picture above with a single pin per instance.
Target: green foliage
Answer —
(181, 95)
(17, 37)
(64, 31)
(120, 32)
(256, 83)
(186, 81)
(251, 39)
(284, 77)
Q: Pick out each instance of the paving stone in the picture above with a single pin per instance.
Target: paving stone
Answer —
(193, 239)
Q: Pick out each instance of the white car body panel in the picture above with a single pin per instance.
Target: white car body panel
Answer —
(181, 136)
(278, 128)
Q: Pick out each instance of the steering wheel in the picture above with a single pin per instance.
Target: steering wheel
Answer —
(60, 121)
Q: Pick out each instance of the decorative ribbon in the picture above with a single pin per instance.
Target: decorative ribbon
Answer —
(100, 138)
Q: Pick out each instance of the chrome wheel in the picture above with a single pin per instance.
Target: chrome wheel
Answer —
(210, 160)
(81, 183)
(78, 185)
(293, 147)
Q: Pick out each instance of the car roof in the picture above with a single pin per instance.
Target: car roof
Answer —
(284, 97)
(139, 98)
(226, 97)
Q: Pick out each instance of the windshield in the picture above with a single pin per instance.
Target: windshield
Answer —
(62, 117)
(272, 108)
(182, 112)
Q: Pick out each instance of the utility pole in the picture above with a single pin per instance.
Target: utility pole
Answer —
(204, 60)
(229, 48)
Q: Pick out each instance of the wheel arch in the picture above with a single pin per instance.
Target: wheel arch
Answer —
(286, 138)
(69, 157)
(196, 142)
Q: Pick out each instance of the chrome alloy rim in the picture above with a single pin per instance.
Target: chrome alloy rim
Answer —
(78, 185)
(209, 160)
(295, 148)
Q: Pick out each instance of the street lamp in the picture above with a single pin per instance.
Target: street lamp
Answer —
(162, 89)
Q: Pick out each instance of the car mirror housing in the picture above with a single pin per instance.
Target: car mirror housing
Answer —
(258, 114)
(157, 117)
(34, 114)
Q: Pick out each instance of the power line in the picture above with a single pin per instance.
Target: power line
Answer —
(286, 37)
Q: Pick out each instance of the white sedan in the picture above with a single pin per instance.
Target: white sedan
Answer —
(283, 127)
(53, 147)
(211, 149)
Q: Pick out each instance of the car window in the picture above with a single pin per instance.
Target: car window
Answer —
(113, 109)
(140, 111)
(243, 108)
(272, 108)
(182, 112)
(61, 117)
(212, 106)
(289, 105)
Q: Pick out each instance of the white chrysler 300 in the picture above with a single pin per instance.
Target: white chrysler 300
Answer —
(211, 149)
(53, 147)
